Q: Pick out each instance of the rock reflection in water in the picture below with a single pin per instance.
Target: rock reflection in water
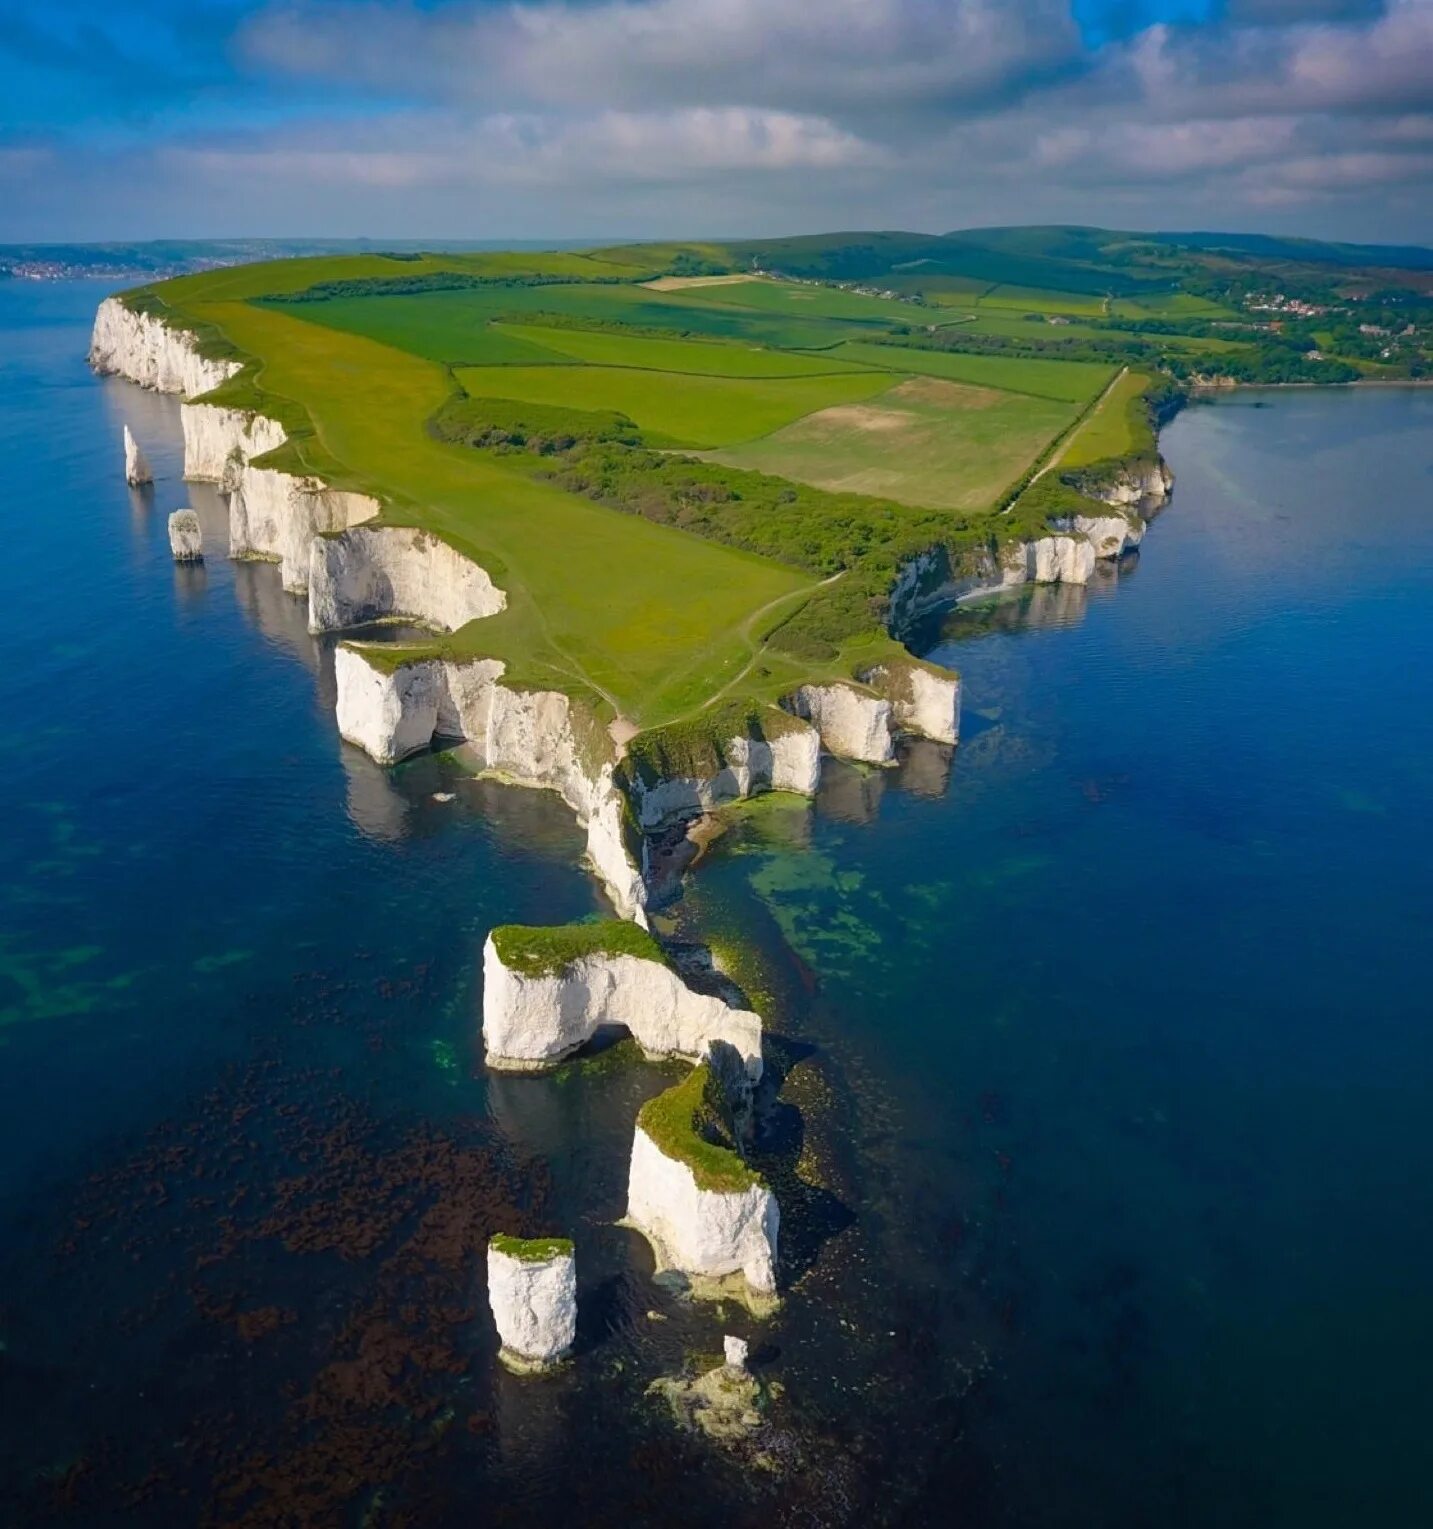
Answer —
(923, 767)
(281, 618)
(850, 793)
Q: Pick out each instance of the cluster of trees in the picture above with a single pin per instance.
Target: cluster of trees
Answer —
(504, 424)
(433, 281)
(1267, 358)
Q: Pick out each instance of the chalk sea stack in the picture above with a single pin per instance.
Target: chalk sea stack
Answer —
(186, 541)
(136, 465)
(532, 1289)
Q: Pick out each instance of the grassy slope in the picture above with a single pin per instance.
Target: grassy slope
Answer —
(594, 596)
(676, 409)
(1107, 433)
(927, 442)
(660, 623)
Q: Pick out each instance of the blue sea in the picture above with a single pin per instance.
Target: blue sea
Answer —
(1104, 1133)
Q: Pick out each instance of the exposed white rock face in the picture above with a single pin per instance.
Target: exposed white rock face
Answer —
(218, 442)
(1110, 535)
(185, 539)
(1148, 484)
(1061, 560)
(369, 573)
(735, 1351)
(534, 1303)
(136, 465)
(138, 346)
(922, 701)
(700, 1232)
(791, 761)
(272, 515)
(533, 1021)
(275, 516)
(796, 761)
(853, 724)
(525, 736)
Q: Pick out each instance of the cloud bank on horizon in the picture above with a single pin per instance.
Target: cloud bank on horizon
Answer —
(637, 118)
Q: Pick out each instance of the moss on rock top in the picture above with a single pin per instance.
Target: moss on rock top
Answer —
(531, 1250)
(677, 1122)
(547, 951)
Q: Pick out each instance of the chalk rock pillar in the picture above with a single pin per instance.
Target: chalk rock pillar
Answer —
(532, 1289)
(735, 1351)
(185, 539)
(136, 465)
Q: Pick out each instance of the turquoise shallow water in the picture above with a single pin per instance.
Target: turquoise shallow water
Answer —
(1107, 1035)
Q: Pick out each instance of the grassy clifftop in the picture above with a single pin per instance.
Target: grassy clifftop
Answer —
(532, 410)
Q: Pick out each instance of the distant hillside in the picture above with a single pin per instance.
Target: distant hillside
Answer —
(1064, 258)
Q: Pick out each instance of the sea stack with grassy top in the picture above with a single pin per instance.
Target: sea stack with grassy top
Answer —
(709, 1217)
(137, 470)
(532, 1289)
(547, 991)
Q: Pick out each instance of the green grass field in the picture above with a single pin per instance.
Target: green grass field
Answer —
(1066, 381)
(1038, 300)
(629, 609)
(925, 442)
(675, 408)
(449, 326)
(642, 614)
(708, 358)
(1107, 431)
(800, 300)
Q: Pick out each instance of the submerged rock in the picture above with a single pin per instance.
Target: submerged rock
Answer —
(186, 541)
(726, 1404)
(532, 1289)
(136, 465)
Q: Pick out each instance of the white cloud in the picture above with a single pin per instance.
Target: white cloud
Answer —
(789, 55)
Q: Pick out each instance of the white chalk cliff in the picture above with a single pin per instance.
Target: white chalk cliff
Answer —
(529, 737)
(370, 573)
(534, 1021)
(534, 1305)
(186, 542)
(853, 722)
(137, 470)
(273, 516)
(790, 760)
(1146, 484)
(1110, 535)
(705, 1234)
(138, 346)
(924, 700)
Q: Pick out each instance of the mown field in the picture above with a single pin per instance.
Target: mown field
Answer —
(676, 408)
(709, 357)
(926, 441)
(1107, 433)
(1067, 381)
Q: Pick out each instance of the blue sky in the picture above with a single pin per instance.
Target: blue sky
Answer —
(617, 118)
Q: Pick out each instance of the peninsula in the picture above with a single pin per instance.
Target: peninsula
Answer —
(667, 513)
